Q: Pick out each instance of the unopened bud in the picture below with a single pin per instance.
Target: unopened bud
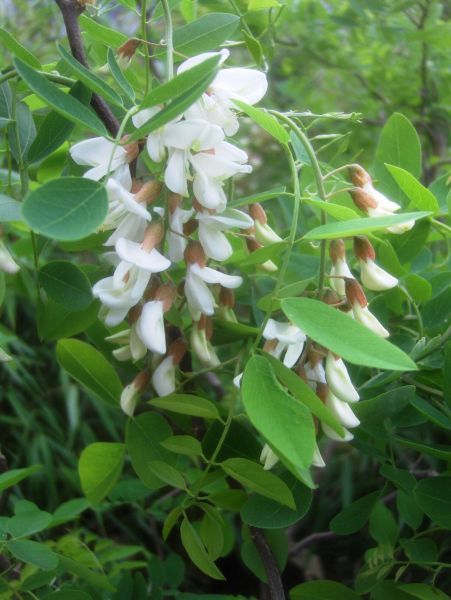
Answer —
(153, 235)
(174, 202)
(227, 297)
(131, 392)
(363, 249)
(354, 292)
(194, 253)
(132, 148)
(190, 227)
(363, 200)
(337, 250)
(359, 176)
(7, 263)
(177, 351)
(166, 294)
(149, 192)
(126, 52)
(257, 212)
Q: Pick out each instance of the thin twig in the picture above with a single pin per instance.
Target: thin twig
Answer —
(71, 10)
(272, 570)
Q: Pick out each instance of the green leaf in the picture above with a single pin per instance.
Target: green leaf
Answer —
(383, 527)
(92, 81)
(422, 591)
(62, 103)
(102, 34)
(56, 321)
(99, 468)
(305, 394)
(266, 121)
(196, 550)
(66, 209)
(398, 145)
(55, 129)
(143, 437)
(437, 450)
(66, 284)
(90, 368)
(344, 336)
(433, 414)
(253, 476)
(420, 289)
(183, 444)
(118, 76)
(167, 473)
(337, 211)
(18, 50)
(69, 510)
(433, 496)
(10, 210)
(96, 580)
(285, 423)
(360, 226)
(34, 553)
(28, 523)
(322, 590)
(268, 514)
(26, 132)
(171, 521)
(353, 517)
(178, 85)
(263, 4)
(419, 196)
(13, 476)
(187, 404)
(205, 34)
(174, 108)
(212, 531)
(261, 255)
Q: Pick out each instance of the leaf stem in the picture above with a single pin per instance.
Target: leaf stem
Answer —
(146, 47)
(169, 40)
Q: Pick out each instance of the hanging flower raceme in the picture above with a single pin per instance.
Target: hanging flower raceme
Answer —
(288, 339)
(340, 268)
(263, 233)
(163, 377)
(105, 157)
(199, 297)
(371, 201)
(373, 277)
(357, 299)
(217, 104)
(211, 227)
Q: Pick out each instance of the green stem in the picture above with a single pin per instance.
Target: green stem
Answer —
(169, 41)
(146, 46)
(7, 76)
(319, 184)
(50, 76)
(416, 309)
(291, 242)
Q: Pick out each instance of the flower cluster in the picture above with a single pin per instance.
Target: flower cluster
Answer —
(180, 215)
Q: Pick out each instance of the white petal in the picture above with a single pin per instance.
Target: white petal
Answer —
(137, 349)
(131, 227)
(317, 374)
(247, 85)
(210, 275)
(96, 151)
(382, 201)
(342, 411)
(284, 332)
(230, 217)
(193, 134)
(375, 278)
(338, 380)
(129, 399)
(199, 297)
(209, 192)
(293, 354)
(176, 173)
(7, 263)
(268, 458)
(140, 118)
(364, 316)
(237, 380)
(264, 234)
(333, 435)
(340, 269)
(114, 316)
(150, 327)
(197, 60)
(214, 242)
(163, 378)
(133, 253)
(317, 460)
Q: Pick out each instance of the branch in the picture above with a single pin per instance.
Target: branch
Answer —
(71, 10)
(272, 571)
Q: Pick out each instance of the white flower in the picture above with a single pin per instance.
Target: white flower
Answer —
(290, 340)
(7, 263)
(99, 153)
(199, 297)
(211, 227)
(176, 241)
(314, 374)
(365, 317)
(131, 347)
(237, 380)
(333, 435)
(163, 378)
(155, 144)
(342, 411)
(129, 399)
(268, 458)
(135, 254)
(340, 269)
(125, 214)
(375, 278)
(150, 327)
(317, 460)
(201, 346)
(247, 85)
(263, 233)
(338, 379)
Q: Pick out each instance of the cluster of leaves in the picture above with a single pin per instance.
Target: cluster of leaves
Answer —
(190, 462)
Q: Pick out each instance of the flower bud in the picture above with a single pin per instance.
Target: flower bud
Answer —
(333, 435)
(340, 268)
(359, 176)
(264, 234)
(373, 277)
(226, 305)
(194, 253)
(268, 458)
(7, 263)
(338, 379)
(366, 318)
(131, 392)
(317, 460)
(268, 265)
(163, 378)
(126, 52)
(342, 411)
(200, 345)
(149, 192)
